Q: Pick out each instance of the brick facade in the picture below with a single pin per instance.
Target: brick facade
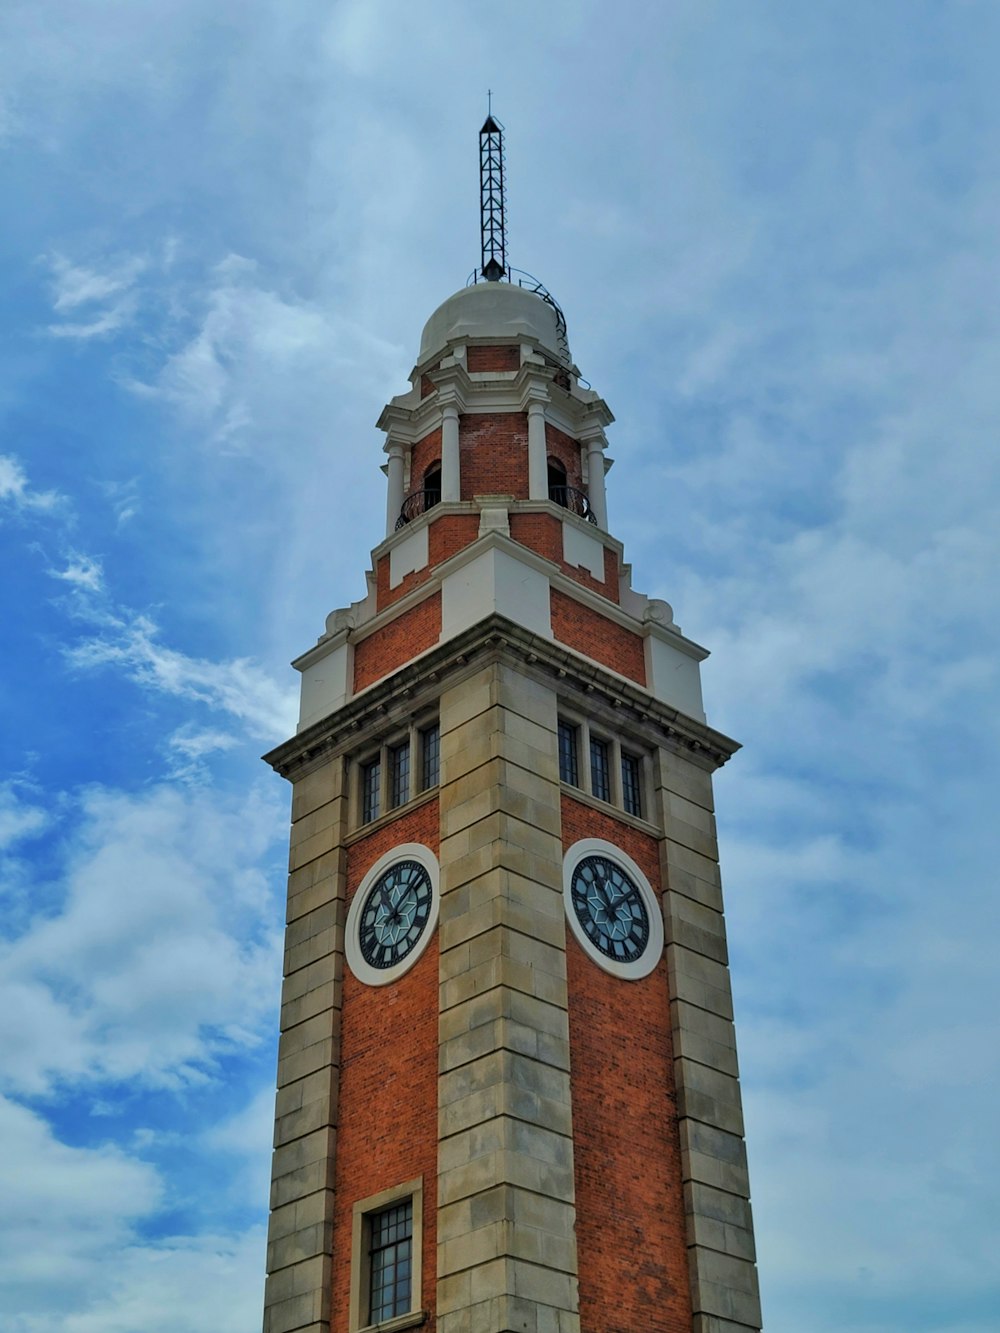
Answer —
(446, 534)
(596, 636)
(562, 446)
(422, 455)
(399, 641)
(387, 1130)
(543, 533)
(494, 454)
(478, 359)
(629, 1198)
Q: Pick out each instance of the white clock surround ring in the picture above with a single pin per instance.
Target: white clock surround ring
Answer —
(631, 969)
(362, 969)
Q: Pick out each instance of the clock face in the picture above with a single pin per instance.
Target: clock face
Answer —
(610, 909)
(395, 914)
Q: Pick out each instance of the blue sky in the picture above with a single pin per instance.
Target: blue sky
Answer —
(773, 228)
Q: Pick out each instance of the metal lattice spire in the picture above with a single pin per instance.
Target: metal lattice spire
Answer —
(491, 193)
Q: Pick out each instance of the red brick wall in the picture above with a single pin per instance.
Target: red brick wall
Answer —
(540, 532)
(562, 446)
(494, 454)
(447, 534)
(393, 645)
(598, 637)
(543, 533)
(422, 455)
(630, 1232)
(387, 1131)
(492, 358)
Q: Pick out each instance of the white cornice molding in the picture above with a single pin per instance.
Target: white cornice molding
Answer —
(418, 682)
(408, 421)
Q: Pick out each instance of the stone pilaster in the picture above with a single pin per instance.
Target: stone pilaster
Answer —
(297, 1295)
(506, 1243)
(721, 1257)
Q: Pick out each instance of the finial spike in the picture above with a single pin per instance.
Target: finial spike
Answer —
(491, 195)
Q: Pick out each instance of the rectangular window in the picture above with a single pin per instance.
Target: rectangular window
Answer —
(386, 1257)
(371, 790)
(631, 786)
(431, 757)
(568, 768)
(390, 1261)
(600, 770)
(399, 769)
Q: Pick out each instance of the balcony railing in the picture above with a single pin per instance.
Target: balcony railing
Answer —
(568, 497)
(415, 504)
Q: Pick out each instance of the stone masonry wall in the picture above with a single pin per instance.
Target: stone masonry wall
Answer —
(506, 1226)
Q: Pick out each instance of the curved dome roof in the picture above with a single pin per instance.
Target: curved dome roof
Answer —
(492, 309)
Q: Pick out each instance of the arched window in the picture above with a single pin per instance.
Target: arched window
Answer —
(432, 485)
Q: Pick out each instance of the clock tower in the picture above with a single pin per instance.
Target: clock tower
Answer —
(507, 1085)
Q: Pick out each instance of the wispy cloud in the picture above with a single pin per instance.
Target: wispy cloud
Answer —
(104, 299)
(242, 364)
(20, 818)
(83, 572)
(17, 495)
(238, 687)
(190, 746)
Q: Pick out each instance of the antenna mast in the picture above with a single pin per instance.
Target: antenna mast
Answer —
(491, 194)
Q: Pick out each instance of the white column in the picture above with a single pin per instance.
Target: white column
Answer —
(538, 473)
(451, 468)
(394, 496)
(595, 479)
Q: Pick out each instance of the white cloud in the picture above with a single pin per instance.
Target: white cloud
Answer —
(107, 294)
(161, 955)
(83, 572)
(242, 369)
(189, 746)
(65, 1210)
(71, 1260)
(17, 494)
(19, 819)
(238, 687)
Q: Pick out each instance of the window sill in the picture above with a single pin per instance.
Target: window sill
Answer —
(412, 1320)
(609, 808)
(362, 831)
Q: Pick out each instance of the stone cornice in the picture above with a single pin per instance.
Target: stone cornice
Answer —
(500, 391)
(496, 638)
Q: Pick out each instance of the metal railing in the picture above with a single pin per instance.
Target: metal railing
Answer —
(415, 504)
(568, 497)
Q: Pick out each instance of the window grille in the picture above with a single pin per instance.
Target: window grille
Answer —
(391, 1261)
(600, 769)
(631, 785)
(399, 769)
(371, 790)
(568, 768)
(431, 747)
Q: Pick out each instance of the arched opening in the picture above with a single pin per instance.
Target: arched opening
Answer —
(558, 490)
(432, 485)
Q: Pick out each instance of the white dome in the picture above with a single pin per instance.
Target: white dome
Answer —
(491, 309)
